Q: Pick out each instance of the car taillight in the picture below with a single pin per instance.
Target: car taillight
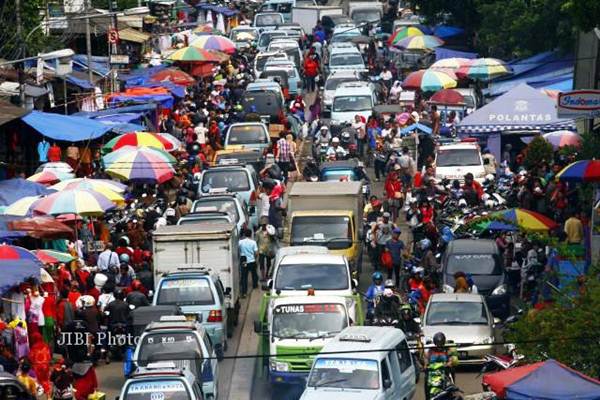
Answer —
(215, 316)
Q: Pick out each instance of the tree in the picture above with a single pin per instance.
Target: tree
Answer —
(121, 4)
(585, 13)
(32, 39)
(566, 331)
(537, 152)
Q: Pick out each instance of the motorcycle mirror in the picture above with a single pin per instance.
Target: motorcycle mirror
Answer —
(150, 293)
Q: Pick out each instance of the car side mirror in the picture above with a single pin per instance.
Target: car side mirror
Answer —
(387, 383)
(267, 286)
(497, 321)
(150, 293)
(354, 283)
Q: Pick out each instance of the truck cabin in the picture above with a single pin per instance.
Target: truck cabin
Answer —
(332, 230)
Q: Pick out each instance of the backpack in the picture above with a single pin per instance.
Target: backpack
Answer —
(386, 260)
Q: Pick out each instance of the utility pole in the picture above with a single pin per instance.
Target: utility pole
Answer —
(20, 74)
(88, 40)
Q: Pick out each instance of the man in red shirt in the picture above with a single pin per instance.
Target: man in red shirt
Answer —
(472, 189)
(311, 70)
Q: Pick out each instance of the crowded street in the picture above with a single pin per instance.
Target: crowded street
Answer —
(293, 199)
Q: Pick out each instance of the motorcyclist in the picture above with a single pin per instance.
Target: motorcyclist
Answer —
(136, 297)
(407, 320)
(117, 311)
(428, 261)
(323, 137)
(311, 171)
(336, 149)
(473, 191)
(441, 353)
(388, 308)
(374, 290)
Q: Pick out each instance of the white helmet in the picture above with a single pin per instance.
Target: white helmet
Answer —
(489, 177)
(100, 279)
(335, 140)
(462, 203)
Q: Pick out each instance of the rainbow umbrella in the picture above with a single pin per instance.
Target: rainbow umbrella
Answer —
(419, 42)
(403, 33)
(48, 177)
(206, 29)
(175, 143)
(525, 219)
(74, 201)
(53, 256)
(452, 63)
(143, 164)
(581, 171)
(22, 207)
(88, 184)
(484, 69)
(175, 76)
(563, 138)
(428, 80)
(91, 184)
(16, 265)
(214, 42)
(138, 139)
(195, 54)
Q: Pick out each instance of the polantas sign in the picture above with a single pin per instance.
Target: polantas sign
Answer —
(520, 114)
(579, 103)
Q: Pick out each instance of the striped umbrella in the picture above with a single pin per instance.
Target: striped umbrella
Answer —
(22, 207)
(49, 177)
(16, 265)
(526, 219)
(581, 171)
(105, 190)
(428, 80)
(484, 69)
(447, 97)
(53, 256)
(74, 201)
(144, 164)
(175, 76)
(423, 42)
(563, 138)
(138, 139)
(403, 33)
(91, 184)
(452, 63)
(214, 42)
(195, 54)
(175, 143)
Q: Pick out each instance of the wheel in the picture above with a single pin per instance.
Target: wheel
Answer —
(230, 323)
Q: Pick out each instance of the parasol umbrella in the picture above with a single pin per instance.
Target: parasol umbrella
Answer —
(173, 75)
(143, 164)
(452, 63)
(41, 227)
(423, 42)
(53, 256)
(92, 184)
(492, 225)
(206, 29)
(16, 265)
(45, 276)
(403, 33)
(49, 177)
(214, 42)
(74, 201)
(563, 138)
(138, 139)
(175, 143)
(581, 171)
(195, 54)
(526, 219)
(447, 97)
(22, 207)
(484, 69)
(55, 166)
(428, 80)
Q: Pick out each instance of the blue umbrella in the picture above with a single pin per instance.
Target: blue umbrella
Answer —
(14, 189)
(16, 265)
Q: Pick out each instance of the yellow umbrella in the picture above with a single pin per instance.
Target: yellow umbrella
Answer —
(22, 207)
(93, 184)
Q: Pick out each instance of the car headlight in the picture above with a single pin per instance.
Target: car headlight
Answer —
(448, 289)
(485, 340)
(281, 366)
(500, 290)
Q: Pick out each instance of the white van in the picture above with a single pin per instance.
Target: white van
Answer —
(365, 371)
(454, 161)
(350, 99)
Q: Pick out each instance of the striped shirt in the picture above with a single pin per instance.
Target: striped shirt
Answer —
(283, 151)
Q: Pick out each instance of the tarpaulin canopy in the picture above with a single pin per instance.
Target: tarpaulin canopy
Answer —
(12, 190)
(522, 108)
(218, 9)
(99, 64)
(442, 52)
(139, 76)
(65, 127)
(142, 108)
(140, 94)
(82, 83)
(548, 380)
(447, 31)
(416, 127)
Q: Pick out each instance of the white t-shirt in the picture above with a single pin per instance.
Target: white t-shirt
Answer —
(386, 75)
(264, 205)
(200, 132)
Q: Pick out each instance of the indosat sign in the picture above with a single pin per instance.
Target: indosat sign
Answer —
(579, 103)
(520, 114)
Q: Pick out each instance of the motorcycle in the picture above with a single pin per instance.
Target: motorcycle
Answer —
(439, 382)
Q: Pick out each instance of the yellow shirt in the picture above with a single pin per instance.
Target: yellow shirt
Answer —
(28, 382)
(574, 230)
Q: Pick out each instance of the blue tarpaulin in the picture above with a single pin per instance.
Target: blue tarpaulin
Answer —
(141, 108)
(415, 127)
(165, 100)
(140, 76)
(82, 83)
(218, 9)
(446, 31)
(99, 65)
(522, 108)
(65, 127)
(12, 190)
(442, 53)
(554, 381)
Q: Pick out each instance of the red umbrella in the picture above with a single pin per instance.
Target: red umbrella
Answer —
(42, 228)
(175, 76)
(447, 97)
(203, 70)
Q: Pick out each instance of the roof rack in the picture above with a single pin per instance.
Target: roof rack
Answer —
(193, 268)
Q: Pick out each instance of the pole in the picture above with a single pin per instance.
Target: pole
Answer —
(20, 75)
(65, 95)
(88, 41)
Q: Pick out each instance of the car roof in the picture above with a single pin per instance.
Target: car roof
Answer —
(472, 246)
(280, 301)
(342, 73)
(380, 338)
(458, 146)
(357, 90)
(313, 259)
(247, 124)
(339, 164)
(456, 297)
(174, 325)
(213, 227)
(344, 50)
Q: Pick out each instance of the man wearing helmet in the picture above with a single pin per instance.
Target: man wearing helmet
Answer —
(374, 290)
(388, 306)
(428, 261)
(336, 150)
(407, 320)
(441, 352)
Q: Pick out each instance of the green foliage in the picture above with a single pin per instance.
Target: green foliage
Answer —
(584, 13)
(538, 151)
(590, 146)
(121, 4)
(566, 331)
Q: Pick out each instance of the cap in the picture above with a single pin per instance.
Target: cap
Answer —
(397, 231)
(397, 167)
(386, 215)
(335, 140)
(415, 115)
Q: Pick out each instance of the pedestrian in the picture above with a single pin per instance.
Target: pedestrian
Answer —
(266, 239)
(248, 254)
(361, 135)
(380, 159)
(311, 70)
(435, 120)
(407, 168)
(396, 247)
(394, 193)
(574, 229)
(284, 155)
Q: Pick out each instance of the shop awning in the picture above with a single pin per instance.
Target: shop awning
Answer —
(65, 127)
(133, 35)
(9, 112)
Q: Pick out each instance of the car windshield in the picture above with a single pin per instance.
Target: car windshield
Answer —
(230, 179)
(340, 60)
(335, 232)
(306, 321)
(222, 205)
(266, 103)
(185, 292)
(315, 276)
(266, 37)
(345, 373)
(338, 174)
(243, 35)
(456, 313)
(366, 16)
(164, 389)
(168, 346)
(333, 83)
(469, 101)
(344, 37)
(474, 264)
(457, 158)
(247, 134)
(268, 20)
(352, 103)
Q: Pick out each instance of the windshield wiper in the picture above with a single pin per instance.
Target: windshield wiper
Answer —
(294, 336)
(329, 382)
(323, 335)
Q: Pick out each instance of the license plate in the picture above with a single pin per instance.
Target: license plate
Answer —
(463, 354)
(191, 317)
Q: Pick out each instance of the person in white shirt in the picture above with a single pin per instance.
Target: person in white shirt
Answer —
(108, 258)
